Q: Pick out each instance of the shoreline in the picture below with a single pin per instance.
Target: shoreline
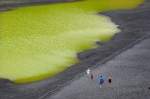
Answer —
(129, 34)
(13, 5)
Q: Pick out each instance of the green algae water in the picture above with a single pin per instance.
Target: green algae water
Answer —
(37, 42)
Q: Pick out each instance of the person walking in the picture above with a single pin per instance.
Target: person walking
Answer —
(110, 79)
(90, 74)
(101, 80)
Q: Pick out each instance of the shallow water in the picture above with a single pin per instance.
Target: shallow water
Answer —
(40, 41)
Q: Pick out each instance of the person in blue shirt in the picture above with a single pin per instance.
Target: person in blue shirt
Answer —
(101, 79)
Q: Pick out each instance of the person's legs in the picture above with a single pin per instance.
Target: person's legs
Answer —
(92, 77)
(100, 86)
(101, 82)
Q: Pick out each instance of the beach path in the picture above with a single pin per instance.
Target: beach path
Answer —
(130, 72)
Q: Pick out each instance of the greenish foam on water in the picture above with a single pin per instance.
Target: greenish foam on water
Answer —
(40, 41)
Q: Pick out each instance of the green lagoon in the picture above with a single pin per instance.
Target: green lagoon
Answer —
(37, 42)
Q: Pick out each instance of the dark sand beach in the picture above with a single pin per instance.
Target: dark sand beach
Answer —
(8, 4)
(118, 56)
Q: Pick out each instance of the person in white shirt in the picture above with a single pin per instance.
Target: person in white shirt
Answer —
(89, 74)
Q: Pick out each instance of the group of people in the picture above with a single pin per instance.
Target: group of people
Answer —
(100, 78)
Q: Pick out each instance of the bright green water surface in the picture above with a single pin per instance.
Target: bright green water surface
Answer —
(40, 41)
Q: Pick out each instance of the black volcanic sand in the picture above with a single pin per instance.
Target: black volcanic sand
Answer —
(9, 5)
(130, 71)
(135, 27)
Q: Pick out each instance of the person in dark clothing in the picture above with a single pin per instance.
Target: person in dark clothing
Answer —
(92, 77)
(110, 79)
